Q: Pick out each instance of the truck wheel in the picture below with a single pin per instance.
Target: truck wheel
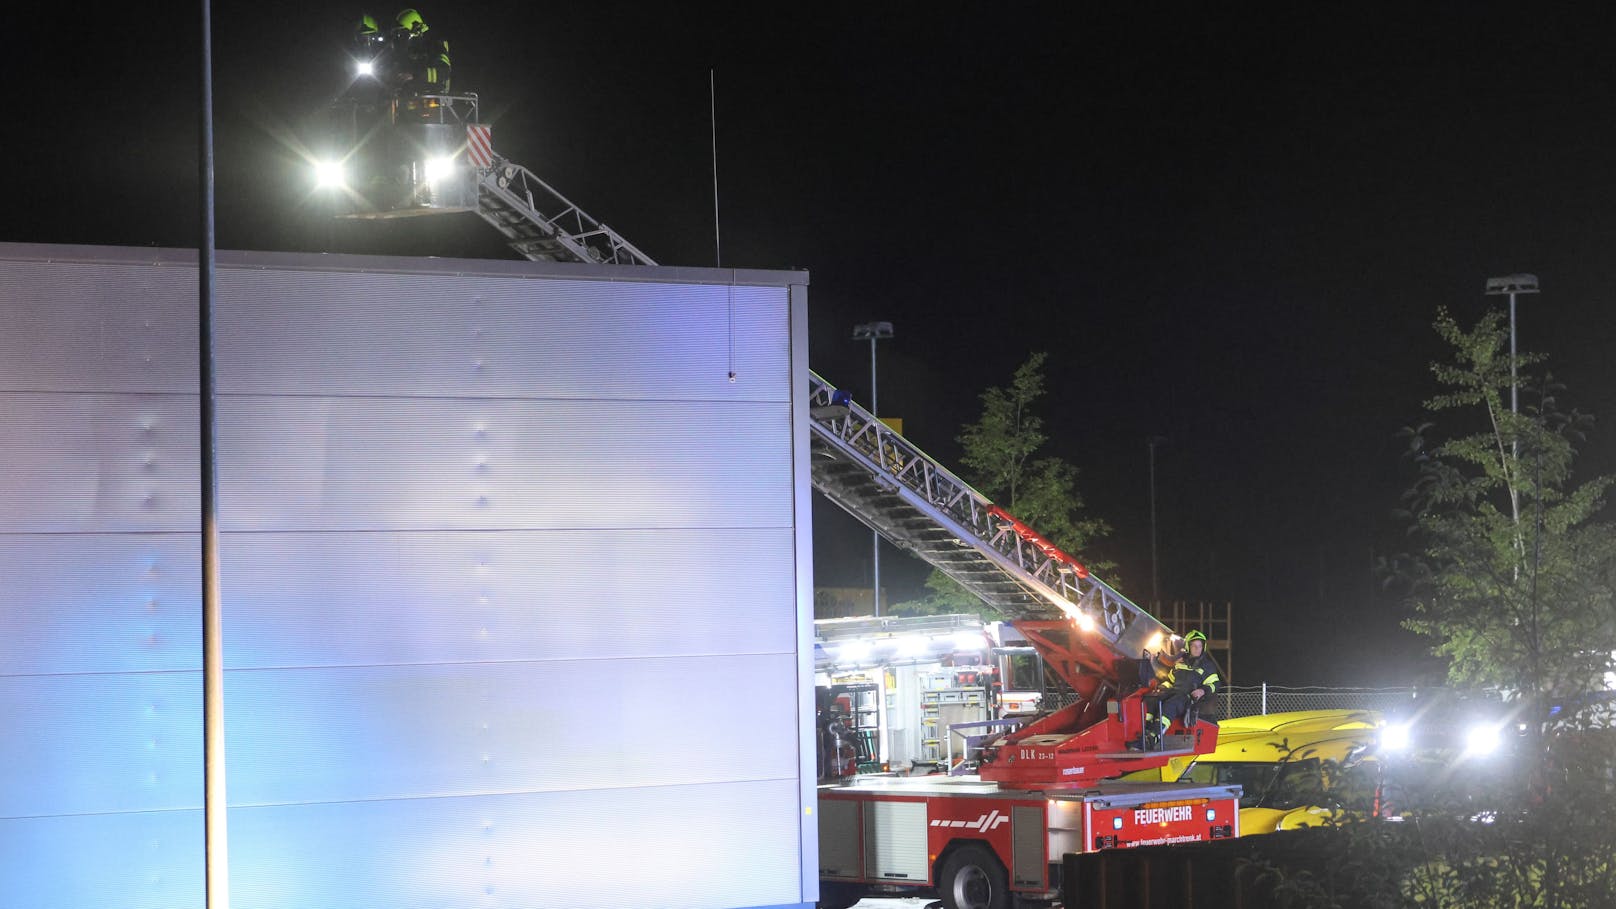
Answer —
(837, 895)
(973, 879)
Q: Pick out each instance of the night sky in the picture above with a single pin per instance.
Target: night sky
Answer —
(1228, 227)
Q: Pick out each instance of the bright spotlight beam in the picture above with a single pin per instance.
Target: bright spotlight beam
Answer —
(1481, 741)
(438, 168)
(328, 175)
(1395, 737)
(365, 68)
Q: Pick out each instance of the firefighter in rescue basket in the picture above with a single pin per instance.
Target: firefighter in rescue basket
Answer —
(1192, 686)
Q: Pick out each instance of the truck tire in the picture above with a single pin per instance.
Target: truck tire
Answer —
(837, 895)
(972, 878)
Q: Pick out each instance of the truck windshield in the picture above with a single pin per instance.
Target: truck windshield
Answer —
(1298, 784)
(1265, 784)
(1021, 672)
(1253, 778)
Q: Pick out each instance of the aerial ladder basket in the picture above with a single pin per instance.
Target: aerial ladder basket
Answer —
(406, 155)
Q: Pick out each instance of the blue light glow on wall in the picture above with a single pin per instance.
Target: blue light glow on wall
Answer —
(490, 545)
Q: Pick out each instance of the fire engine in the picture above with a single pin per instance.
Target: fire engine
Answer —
(1043, 790)
(1047, 788)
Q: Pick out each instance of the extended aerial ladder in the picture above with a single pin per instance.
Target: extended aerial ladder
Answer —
(1097, 640)
(440, 159)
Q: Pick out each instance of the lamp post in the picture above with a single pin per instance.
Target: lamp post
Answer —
(1497, 287)
(873, 332)
(1155, 592)
(1511, 285)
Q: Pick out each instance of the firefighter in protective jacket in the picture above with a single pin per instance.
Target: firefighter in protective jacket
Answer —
(1195, 679)
(402, 59)
(424, 61)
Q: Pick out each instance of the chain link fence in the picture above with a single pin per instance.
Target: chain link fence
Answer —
(1251, 700)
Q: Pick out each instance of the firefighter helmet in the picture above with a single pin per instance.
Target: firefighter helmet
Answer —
(411, 21)
(1193, 636)
(366, 27)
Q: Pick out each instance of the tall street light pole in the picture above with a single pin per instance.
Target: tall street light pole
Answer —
(873, 332)
(1155, 590)
(1496, 287)
(1512, 285)
(215, 851)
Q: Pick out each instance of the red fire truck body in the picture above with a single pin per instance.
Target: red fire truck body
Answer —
(894, 833)
(1042, 791)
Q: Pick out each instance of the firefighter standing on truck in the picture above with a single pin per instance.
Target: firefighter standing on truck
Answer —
(1194, 680)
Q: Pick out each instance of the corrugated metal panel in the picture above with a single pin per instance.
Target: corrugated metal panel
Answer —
(100, 743)
(674, 847)
(385, 464)
(135, 860)
(839, 838)
(389, 732)
(338, 599)
(97, 462)
(117, 603)
(408, 335)
(132, 742)
(895, 841)
(101, 463)
(132, 328)
(486, 539)
(95, 327)
(1027, 838)
(76, 603)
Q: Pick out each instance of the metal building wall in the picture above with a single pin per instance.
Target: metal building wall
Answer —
(515, 583)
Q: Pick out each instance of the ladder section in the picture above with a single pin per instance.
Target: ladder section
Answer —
(544, 225)
(899, 491)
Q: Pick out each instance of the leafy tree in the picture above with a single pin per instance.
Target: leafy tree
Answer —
(1512, 578)
(1512, 575)
(1001, 459)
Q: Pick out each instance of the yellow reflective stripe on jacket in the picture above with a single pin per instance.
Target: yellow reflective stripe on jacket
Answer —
(1211, 680)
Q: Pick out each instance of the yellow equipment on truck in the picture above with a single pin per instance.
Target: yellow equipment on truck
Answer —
(1302, 768)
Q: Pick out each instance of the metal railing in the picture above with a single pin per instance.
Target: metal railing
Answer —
(439, 108)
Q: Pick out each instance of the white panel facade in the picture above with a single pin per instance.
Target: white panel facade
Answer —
(104, 602)
(87, 326)
(127, 859)
(498, 593)
(319, 463)
(390, 732)
(493, 536)
(444, 336)
(684, 847)
(90, 743)
(96, 463)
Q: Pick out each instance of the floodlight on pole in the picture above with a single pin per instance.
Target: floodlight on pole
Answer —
(873, 332)
(1155, 590)
(1511, 285)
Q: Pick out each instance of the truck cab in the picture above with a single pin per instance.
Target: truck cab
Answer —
(1296, 769)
